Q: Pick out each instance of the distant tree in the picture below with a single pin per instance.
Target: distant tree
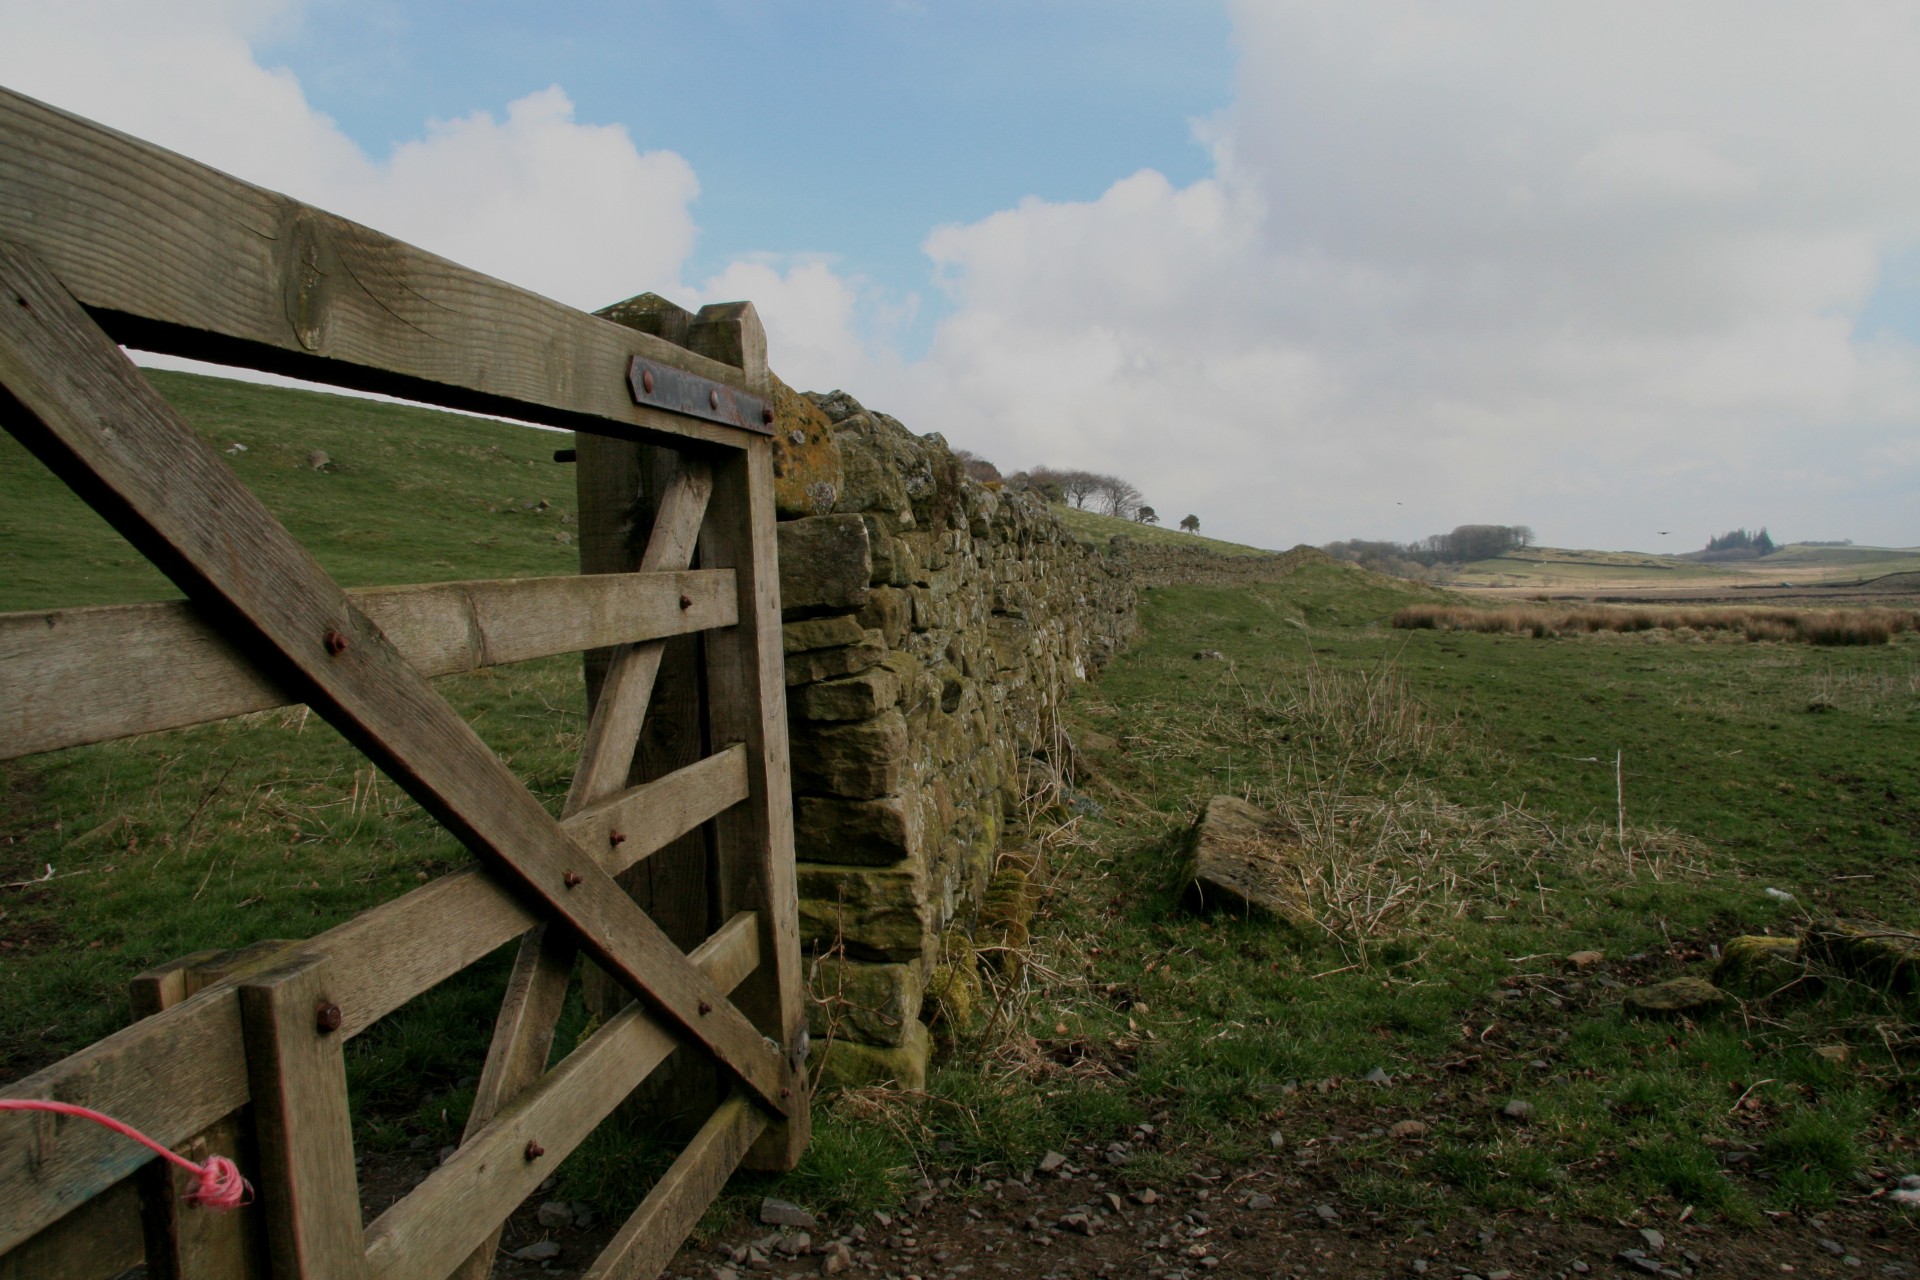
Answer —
(1146, 515)
(1041, 481)
(1117, 497)
(1739, 544)
(1191, 524)
(978, 467)
(1080, 486)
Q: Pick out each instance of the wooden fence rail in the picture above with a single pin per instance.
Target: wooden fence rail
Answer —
(105, 239)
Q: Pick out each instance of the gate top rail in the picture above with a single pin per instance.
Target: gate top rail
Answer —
(170, 255)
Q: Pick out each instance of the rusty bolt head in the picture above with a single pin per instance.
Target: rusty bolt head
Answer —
(766, 416)
(336, 643)
(705, 1008)
(327, 1017)
(686, 602)
(571, 879)
(616, 837)
(785, 1094)
(534, 1150)
(646, 381)
(713, 399)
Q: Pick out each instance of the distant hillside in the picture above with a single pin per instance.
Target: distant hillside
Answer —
(1100, 528)
(404, 494)
(1556, 567)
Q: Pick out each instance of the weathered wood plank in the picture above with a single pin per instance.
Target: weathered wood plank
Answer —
(614, 727)
(174, 256)
(75, 401)
(523, 1031)
(461, 1203)
(176, 1073)
(308, 1188)
(754, 842)
(72, 676)
(99, 1239)
(184, 1242)
(649, 1239)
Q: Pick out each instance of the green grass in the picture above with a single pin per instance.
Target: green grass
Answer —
(1099, 528)
(1478, 774)
(1456, 795)
(414, 495)
(1544, 567)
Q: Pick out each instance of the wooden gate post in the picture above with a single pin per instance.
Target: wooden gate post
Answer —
(298, 1077)
(747, 693)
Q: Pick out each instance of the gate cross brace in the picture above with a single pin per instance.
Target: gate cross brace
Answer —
(75, 400)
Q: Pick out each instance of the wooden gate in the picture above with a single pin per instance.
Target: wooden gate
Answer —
(107, 240)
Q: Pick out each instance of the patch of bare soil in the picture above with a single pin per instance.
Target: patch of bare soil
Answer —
(1276, 1217)
(1090, 1212)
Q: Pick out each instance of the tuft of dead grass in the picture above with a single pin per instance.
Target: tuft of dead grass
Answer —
(1805, 626)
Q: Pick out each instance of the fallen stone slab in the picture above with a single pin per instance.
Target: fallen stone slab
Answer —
(1244, 859)
(1678, 997)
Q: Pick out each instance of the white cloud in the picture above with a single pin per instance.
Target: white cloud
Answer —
(1591, 267)
(571, 210)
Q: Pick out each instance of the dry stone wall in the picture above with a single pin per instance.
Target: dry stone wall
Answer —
(1159, 565)
(933, 627)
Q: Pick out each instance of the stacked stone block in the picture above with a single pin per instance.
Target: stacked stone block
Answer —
(933, 628)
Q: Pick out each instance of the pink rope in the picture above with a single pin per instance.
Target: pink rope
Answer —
(221, 1186)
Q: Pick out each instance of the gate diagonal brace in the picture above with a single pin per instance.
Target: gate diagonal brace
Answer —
(75, 400)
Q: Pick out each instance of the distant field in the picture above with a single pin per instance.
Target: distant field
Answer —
(1558, 569)
(1100, 528)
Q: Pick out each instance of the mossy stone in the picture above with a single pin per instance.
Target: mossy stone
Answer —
(1756, 965)
(849, 1065)
(1678, 997)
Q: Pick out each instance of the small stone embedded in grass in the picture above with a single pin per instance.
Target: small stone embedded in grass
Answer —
(1586, 959)
(1050, 1162)
(1519, 1109)
(1758, 965)
(554, 1213)
(1407, 1129)
(784, 1213)
(1677, 997)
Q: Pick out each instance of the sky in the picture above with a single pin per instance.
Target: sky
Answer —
(1631, 272)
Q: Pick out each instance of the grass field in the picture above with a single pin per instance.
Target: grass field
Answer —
(1562, 570)
(1091, 524)
(1472, 810)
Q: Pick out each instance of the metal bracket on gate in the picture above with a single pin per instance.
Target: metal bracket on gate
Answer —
(661, 386)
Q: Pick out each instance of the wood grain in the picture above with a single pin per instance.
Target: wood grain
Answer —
(754, 857)
(73, 676)
(174, 256)
(647, 1241)
(182, 1241)
(176, 1073)
(537, 989)
(461, 1203)
(308, 1189)
(101, 1238)
(614, 727)
(75, 401)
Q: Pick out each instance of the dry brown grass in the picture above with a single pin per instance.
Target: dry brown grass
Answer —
(1805, 626)
(1375, 866)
